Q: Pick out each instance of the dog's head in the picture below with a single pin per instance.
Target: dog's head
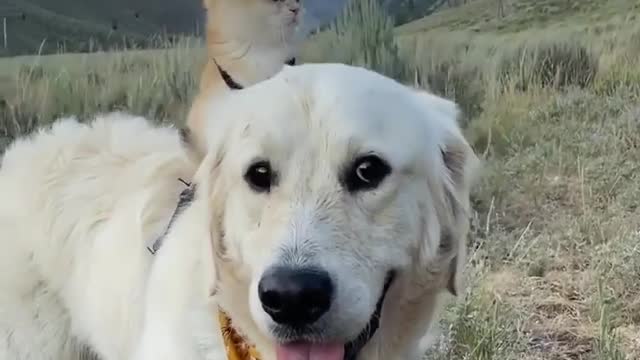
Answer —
(331, 183)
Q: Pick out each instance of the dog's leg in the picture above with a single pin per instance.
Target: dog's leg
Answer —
(197, 340)
(178, 287)
(161, 343)
(166, 334)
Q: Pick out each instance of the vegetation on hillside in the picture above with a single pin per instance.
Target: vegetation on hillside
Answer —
(554, 112)
(525, 15)
(403, 11)
(47, 26)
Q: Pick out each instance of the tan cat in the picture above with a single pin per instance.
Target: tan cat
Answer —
(247, 41)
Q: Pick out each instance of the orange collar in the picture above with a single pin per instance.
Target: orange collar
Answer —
(236, 346)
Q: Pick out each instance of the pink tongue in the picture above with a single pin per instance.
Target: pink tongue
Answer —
(309, 351)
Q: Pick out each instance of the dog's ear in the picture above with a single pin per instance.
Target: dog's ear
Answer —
(458, 164)
(208, 183)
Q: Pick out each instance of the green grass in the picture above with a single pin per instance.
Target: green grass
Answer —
(552, 107)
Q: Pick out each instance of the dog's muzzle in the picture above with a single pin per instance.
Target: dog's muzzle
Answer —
(296, 298)
(353, 348)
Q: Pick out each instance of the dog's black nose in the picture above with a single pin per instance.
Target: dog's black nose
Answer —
(295, 297)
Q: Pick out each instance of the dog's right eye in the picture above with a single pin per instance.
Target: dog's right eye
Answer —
(260, 176)
(366, 173)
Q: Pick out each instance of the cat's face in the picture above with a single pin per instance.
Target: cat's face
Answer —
(266, 22)
(283, 16)
(288, 11)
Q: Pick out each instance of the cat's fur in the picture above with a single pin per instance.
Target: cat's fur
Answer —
(251, 40)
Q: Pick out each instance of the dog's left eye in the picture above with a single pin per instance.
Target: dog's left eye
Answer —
(366, 173)
(260, 176)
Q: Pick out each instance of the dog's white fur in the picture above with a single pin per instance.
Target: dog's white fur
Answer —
(80, 203)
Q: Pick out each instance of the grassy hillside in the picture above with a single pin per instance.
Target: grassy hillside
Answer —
(82, 25)
(47, 26)
(522, 15)
(551, 103)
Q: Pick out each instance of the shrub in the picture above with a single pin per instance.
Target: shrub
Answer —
(31, 72)
(555, 65)
(159, 86)
(363, 35)
(463, 84)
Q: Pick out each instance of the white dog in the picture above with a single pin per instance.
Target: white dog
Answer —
(325, 221)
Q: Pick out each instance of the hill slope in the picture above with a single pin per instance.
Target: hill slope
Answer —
(518, 15)
(68, 25)
(71, 24)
